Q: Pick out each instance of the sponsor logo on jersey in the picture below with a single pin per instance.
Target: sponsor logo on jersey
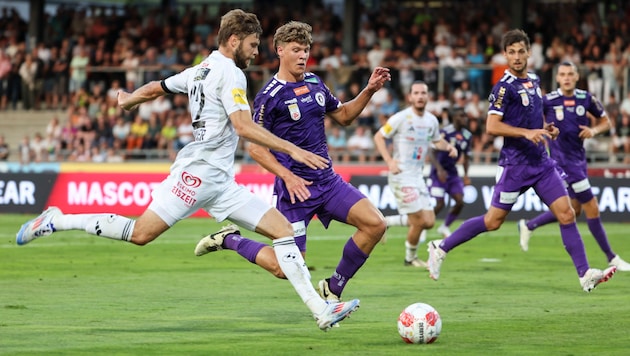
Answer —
(301, 90)
(569, 103)
(191, 180)
(307, 99)
(239, 95)
(201, 74)
(387, 128)
(528, 85)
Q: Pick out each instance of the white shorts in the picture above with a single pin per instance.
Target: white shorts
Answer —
(411, 193)
(196, 185)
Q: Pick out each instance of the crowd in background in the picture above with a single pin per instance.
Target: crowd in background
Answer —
(88, 53)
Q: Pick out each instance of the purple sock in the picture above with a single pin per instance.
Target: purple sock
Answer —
(540, 220)
(597, 229)
(243, 246)
(351, 260)
(575, 247)
(467, 230)
(450, 217)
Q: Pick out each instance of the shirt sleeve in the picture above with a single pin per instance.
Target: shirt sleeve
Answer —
(233, 92)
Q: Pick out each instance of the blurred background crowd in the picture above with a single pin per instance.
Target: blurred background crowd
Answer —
(89, 52)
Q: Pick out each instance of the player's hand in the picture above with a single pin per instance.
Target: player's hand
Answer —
(378, 78)
(310, 159)
(123, 98)
(537, 135)
(466, 180)
(553, 130)
(587, 132)
(452, 151)
(393, 167)
(297, 189)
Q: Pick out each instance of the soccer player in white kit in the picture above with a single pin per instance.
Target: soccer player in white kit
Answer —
(202, 176)
(412, 130)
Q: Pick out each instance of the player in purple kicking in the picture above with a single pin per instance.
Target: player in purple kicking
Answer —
(567, 108)
(293, 105)
(516, 113)
(444, 176)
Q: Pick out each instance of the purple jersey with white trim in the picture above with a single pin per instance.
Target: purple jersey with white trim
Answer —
(568, 113)
(295, 112)
(460, 140)
(519, 102)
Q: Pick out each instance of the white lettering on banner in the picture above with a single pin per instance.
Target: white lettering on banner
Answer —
(608, 201)
(110, 193)
(382, 199)
(487, 192)
(263, 191)
(12, 192)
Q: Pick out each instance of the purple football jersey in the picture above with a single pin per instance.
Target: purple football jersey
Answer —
(568, 113)
(460, 140)
(295, 112)
(519, 102)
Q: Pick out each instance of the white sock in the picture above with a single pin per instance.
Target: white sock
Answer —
(411, 251)
(397, 220)
(294, 268)
(111, 226)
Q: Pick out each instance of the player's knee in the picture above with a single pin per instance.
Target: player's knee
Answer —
(493, 224)
(566, 217)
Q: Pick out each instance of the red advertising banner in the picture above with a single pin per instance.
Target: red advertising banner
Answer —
(127, 194)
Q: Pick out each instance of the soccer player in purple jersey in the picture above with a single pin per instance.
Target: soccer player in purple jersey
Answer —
(293, 105)
(568, 108)
(444, 176)
(516, 113)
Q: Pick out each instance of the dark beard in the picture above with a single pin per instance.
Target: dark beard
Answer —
(239, 58)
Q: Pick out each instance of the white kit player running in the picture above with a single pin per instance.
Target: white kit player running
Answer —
(202, 176)
(412, 130)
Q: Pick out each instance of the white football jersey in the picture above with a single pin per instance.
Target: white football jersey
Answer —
(411, 135)
(216, 88)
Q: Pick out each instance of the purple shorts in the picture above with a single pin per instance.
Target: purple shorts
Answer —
(515, 180)
(329, 201)
(453, 185)
(578, 185)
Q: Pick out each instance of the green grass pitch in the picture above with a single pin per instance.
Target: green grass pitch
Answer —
(75, 294)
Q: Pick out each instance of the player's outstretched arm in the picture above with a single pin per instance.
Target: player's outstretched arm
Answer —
(147, 92)
(349, 111)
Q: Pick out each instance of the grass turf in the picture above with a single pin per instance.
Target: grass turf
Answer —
(75, 294)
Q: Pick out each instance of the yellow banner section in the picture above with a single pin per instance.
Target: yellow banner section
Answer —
(135, 167)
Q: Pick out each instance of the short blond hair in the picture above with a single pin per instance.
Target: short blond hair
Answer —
(293, 31)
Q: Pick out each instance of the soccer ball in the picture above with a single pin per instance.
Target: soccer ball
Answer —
(419, 323)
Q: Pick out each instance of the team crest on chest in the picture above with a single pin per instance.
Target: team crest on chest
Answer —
(580, 110)
(319, 97)
(294, 111)
(559, 110)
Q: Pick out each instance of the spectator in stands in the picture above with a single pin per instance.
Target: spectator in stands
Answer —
(68, 135)
(25, 150)
(137, 132)
(184, 132)
(152, 137)
(476, 76)
(130, 63)
(28, 70)
(5, 70)
(361, 144)
(78, 70)
(168, 135)
(61, 74)
(121, 131)
(5, 152)
(337, 144)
